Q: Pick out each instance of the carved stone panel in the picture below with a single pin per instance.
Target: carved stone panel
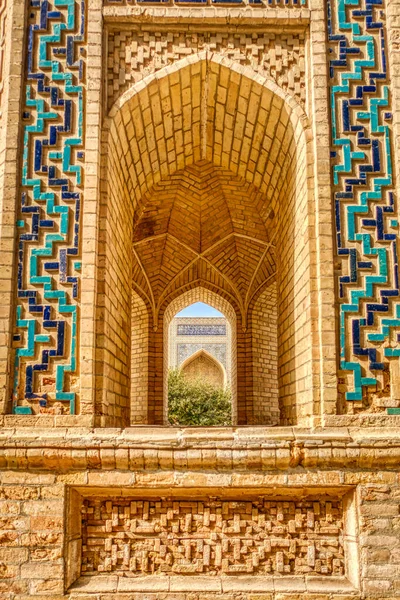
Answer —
(214, 536)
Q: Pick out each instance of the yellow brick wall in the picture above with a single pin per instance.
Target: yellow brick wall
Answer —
(214, 200)
(264, 358)
(139, 357)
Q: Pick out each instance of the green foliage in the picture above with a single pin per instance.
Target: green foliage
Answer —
(197, 402)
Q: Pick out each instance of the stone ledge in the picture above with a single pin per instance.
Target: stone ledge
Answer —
(159, 583)
(232, 15)
(255, 449)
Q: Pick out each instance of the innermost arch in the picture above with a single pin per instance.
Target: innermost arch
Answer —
(199, 309)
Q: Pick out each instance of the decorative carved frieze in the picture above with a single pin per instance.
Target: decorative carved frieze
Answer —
(213, 536)
(134, 54)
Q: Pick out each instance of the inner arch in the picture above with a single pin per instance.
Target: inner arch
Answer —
(220, 380)
(202, 294)
(206, 135)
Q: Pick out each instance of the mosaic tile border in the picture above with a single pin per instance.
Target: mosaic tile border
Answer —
(365, 204)
(49, 219)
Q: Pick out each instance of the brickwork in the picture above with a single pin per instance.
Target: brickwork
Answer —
(262, 7)
(182, 253)
(293, 291)
(213, 537)
(201, 366)
(139, 358)
(264, 357)
(12, 28)
(3, 25)
(134, 55)
(241, 154)
(288, 466)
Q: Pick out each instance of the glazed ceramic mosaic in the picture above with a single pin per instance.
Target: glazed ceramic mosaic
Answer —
(48, 225)
(268, 3)
(366, 222)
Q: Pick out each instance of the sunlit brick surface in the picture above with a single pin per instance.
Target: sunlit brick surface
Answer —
(156, 154)
(208, 212)
(134, 55)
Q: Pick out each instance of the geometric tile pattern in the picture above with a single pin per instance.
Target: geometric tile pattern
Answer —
(366, 211)
(268, 3)
(3, 22)
(133, 55)
(48, 225)
(212, 536)
(201, 330)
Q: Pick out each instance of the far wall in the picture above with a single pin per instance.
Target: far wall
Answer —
(188, 335)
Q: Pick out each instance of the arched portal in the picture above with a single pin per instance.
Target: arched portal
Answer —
(202, 365)
(206, 186)
(194, 294)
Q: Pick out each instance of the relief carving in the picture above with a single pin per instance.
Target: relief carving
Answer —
(213, 536)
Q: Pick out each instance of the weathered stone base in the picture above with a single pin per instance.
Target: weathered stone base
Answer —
(235, 513)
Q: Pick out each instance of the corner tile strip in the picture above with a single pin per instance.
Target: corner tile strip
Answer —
(3, 29)
(48, 225)
(366, 213)
(202, 3)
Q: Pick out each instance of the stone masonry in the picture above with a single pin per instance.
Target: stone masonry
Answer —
(188, 336)
(242, 154)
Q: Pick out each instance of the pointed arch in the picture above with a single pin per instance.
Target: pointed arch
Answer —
(247, 137)
(194, 294)
(203, 353)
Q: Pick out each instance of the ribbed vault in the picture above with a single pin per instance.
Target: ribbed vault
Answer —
(204, 223)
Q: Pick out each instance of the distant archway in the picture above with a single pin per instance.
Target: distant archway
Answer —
(202, 294)
(202, 365)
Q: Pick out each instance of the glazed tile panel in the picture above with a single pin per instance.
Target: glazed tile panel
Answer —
(366, 213)
(261, 3)
(48, 225)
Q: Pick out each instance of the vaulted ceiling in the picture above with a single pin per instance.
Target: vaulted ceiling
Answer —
(203, 224)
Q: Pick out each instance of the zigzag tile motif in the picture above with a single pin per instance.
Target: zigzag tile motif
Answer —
(366, 224)
(3, 26)
(48, 246)
(260, 3)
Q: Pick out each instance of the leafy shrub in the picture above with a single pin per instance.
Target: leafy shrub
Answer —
(197, 402)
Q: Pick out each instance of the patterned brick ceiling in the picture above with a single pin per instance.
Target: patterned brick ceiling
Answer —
(203, 224)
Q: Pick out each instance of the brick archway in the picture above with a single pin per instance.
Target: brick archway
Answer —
(206, 176)
(198, 293)
(221, 378)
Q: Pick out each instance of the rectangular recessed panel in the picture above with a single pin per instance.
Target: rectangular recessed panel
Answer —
(214, 536)
(193, 329)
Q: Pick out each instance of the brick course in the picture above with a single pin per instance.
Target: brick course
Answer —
(219, 110)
